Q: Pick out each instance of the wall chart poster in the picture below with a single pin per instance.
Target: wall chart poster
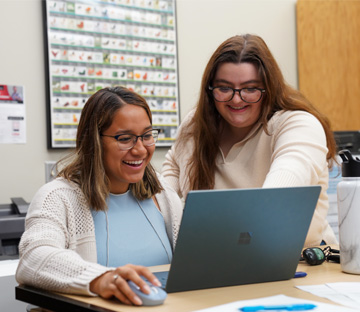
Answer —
(93, 44)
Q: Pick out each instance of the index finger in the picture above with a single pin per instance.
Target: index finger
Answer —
(133, 273)
(149, 276)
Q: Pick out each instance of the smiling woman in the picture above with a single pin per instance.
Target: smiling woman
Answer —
(250, 129)
(83, 228)
(125, 166)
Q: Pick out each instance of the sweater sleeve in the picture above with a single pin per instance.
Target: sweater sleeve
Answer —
(177, 158)
(299, 153)
(171, 209)
(54, 247)
(299, 150)
(171, 170)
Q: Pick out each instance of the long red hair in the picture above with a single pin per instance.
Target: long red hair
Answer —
(205, 124)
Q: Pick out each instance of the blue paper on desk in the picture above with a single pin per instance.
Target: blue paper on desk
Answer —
(275, 300)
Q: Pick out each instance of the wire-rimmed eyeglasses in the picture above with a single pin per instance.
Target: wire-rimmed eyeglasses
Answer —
(226, 94)
(128, 141)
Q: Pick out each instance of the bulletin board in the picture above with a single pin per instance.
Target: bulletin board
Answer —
(93, 44)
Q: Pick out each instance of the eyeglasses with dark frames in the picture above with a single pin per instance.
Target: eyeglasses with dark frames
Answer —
(128, 141)
(226, 94)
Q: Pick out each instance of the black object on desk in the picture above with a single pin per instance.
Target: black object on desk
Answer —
(12, 225)
(53, 301)
(349, 140)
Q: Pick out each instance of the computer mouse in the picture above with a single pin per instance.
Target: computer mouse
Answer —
(313, 256)
(156, 297)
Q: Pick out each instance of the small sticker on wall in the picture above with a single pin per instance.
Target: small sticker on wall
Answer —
(12, 114)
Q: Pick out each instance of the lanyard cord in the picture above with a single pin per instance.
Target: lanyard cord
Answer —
(147, 218)
(157, 234)
(107, 239)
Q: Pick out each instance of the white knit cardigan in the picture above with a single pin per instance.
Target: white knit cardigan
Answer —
(58, 248)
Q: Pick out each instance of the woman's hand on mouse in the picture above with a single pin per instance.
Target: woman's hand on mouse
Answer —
(114, 283)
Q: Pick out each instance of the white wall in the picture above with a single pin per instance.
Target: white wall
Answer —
(202, 26)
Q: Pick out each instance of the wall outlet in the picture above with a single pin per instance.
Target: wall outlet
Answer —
(50, 170)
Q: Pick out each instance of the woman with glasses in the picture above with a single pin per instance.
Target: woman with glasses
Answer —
(250, 129)
(106, 208)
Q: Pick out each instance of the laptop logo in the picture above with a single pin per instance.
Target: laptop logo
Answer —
(245, 238)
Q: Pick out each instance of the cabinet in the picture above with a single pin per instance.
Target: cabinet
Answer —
(328, 34)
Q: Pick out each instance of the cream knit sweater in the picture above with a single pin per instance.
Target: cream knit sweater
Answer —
(58, 248)
(294, 154)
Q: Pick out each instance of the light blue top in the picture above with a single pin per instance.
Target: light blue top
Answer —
(137, 233)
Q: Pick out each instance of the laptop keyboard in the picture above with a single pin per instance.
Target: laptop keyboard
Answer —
(162, 277)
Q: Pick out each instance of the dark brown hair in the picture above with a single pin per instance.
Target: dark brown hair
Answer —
(204, 129)
(86, 166)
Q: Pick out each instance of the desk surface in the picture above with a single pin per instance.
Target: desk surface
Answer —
(198, 299)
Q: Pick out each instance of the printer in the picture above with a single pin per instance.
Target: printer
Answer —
(12, 225)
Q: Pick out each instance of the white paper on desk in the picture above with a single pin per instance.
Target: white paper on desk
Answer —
(349, 289)
(341, 293)
(8, 267)
(275, 300)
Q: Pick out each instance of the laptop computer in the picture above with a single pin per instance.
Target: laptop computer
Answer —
(240, 236)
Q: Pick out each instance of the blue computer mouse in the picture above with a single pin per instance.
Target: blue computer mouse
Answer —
(156, 297)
